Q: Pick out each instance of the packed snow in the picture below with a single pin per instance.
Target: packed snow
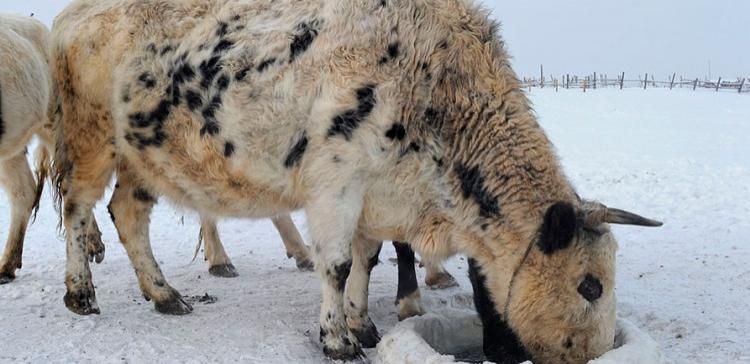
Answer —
(680, 156)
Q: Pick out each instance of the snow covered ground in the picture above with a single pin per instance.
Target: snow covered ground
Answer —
(679, 156)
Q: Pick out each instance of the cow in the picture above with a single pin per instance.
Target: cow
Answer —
(382, 119)
(24, 99)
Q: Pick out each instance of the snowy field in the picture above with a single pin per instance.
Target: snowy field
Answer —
(680, 156)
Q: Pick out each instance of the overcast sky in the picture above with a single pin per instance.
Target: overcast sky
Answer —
(604, 36)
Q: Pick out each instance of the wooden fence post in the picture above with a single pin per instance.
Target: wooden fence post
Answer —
(567, 81)
(718, 84)
(671, 84)
(645, 81)
(622, 80)
(741, 84)
(541, 67)
(695, 84)
(594, 80)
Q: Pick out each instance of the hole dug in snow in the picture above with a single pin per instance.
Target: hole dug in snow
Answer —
(457, 338)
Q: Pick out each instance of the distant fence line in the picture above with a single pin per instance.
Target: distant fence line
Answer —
(594, 81)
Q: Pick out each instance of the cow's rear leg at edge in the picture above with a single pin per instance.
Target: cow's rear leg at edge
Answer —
(18, 182)
(131, 207)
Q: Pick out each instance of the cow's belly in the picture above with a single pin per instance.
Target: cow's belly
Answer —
(247, 186)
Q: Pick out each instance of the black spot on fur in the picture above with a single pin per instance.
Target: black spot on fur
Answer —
(222, 83)
(472, 185)
(223, 46)
(146, 80)
(151, 48)
(302, 40)
(241, 74)
(558, 228)
(168, 48)
(407, 274)
(228, 149)
(568, 343)
(209, 69)
(341, 273)
(142, 195)
(295, 154)
(396, 132)
(391, 53)
(500, 343)
(590, 288)
(346, 122)
(154, 120)
(183, 74)
(210, 124)
(265, 64)
(210, 128)
(382, 3)
(194, 100)
(222, 31)
(434, 117)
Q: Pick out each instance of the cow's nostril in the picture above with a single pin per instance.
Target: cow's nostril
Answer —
(590, 288)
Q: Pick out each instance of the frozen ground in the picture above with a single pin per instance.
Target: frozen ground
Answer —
(680, 156)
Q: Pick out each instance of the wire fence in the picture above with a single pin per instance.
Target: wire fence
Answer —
(595, 81)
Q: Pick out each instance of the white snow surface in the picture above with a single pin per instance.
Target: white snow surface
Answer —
(680, 156)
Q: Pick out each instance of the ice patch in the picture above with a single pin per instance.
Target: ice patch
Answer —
(422, 339)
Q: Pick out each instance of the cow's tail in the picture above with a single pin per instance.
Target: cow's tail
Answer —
(61, 166)
(42, 157)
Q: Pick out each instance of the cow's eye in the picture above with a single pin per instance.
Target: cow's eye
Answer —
(590, 288)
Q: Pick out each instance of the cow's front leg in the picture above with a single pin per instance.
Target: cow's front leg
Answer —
(365, 256)
(130, 208)
(332, 220)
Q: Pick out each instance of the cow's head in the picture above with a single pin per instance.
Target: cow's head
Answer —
(561, 301)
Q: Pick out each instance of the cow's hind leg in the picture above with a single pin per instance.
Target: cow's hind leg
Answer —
(94, 244)
(79, 199)
(437, 277)
(295, 246)
(408, 298)
(19, 185)
(219, 264)
(365, 257)
(332, 218)
(130, 208)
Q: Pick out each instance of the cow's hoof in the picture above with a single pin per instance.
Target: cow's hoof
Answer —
(223, 271)
(174, 305)
(341, 347)
(95, 248)
(82, 302)
(305, 264)
(410, 306)
(368, 336)
(6, 277)
(346, 353)
(441, 280)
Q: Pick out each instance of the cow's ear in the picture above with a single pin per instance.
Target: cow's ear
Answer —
(558, 227)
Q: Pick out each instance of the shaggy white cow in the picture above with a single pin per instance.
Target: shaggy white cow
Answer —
(383, 119)
(24, 98)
